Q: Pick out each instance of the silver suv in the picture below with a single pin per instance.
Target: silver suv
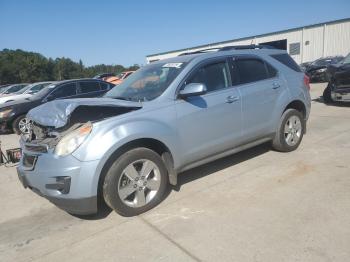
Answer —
(171, 115)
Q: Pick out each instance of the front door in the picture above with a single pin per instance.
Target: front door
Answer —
(210, 123)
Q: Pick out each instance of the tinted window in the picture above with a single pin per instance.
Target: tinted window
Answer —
(65, 91)
(251, 70)
(214, 76)
(88, 87)
(14, 89)
(287, 61)
(271, 70)
(104, 86)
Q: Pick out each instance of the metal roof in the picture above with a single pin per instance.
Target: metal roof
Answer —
(249, 37)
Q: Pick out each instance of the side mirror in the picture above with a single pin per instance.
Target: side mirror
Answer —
(193, 89)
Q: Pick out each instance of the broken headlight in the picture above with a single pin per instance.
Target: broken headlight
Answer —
(70, 142)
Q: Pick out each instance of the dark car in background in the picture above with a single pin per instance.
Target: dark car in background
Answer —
(338, 89)
(11, 89)
(317, 70)
(103, 76)
(13, 114)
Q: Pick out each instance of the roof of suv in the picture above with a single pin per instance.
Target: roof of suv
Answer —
(209, 54)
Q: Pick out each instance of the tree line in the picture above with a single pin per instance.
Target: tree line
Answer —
(18, 66)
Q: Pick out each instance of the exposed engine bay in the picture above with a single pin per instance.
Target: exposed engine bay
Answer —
(62, 117)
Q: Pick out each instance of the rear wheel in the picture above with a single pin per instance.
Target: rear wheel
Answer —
(290, 131)
(136, 182)
(21, 125)
(327, 97)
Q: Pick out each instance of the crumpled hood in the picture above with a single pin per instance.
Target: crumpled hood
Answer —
(57, 113)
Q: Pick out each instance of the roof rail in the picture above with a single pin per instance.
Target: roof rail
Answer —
(200, 51)
(226, 48)
(239, 47)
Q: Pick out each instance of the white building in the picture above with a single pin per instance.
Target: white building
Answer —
(304, 44)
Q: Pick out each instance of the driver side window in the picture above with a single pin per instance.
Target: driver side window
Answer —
(215, 76)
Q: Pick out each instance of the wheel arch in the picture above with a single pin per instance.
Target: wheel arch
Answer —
(297, 105)
(156, 145)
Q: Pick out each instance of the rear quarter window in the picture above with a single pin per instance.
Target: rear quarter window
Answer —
(287, 61)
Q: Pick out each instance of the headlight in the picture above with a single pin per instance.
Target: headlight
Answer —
(322, 70)
(70, 142)
(5, 113)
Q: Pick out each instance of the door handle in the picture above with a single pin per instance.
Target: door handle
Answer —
(275, 85)
(231, 99)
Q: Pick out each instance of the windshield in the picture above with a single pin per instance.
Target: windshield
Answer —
(35, 88)
(24, 89)
(346, 60)
(43, 92)
(147, 83)
(322, 62)
(120, 76)
(14, 89)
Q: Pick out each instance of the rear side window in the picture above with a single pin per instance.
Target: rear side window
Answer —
(88, 87)
(105, 86)
(65, 90)
(271, 70)
(287, 61)
(251, 70)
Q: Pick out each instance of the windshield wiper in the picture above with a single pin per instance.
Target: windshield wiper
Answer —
(122, 98)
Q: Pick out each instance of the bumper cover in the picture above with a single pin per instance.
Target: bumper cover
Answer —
(66, 182)
(341, 95)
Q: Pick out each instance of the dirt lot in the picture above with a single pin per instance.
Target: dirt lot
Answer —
(258, 205)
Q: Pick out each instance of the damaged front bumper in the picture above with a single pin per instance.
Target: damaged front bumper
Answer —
(341, 94)
(66, 181)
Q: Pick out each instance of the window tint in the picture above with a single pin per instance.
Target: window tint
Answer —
(271, 70)
(88, 87)
(104, 86)
(214, 76)
(65, 91)
(287, 61)
(251, 70)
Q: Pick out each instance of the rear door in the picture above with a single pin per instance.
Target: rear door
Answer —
(64, 91)
(259, 87)
(89, 89)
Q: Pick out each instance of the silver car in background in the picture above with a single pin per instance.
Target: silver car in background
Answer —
(24, 93)
(169, 116)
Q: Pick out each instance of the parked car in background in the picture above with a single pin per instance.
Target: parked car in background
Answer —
(13, 114)
(25, 92)
(117, 80)
(303, 66)
(103, 76)
(11, 89)
(317, 70)
(167, 117)
(338, 89)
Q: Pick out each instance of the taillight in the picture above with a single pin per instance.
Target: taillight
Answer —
(307, 81)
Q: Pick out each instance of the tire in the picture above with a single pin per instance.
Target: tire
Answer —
(16, 125)
(327, 98)
(292, 125)
(122, 185)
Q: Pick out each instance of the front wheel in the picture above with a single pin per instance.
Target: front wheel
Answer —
(136, 182)
(21, 125)
(290, 131)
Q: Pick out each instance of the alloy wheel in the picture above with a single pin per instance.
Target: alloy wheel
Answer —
(292, 130)
(139, 183)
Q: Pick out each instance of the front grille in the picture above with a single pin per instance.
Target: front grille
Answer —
(29, 161)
